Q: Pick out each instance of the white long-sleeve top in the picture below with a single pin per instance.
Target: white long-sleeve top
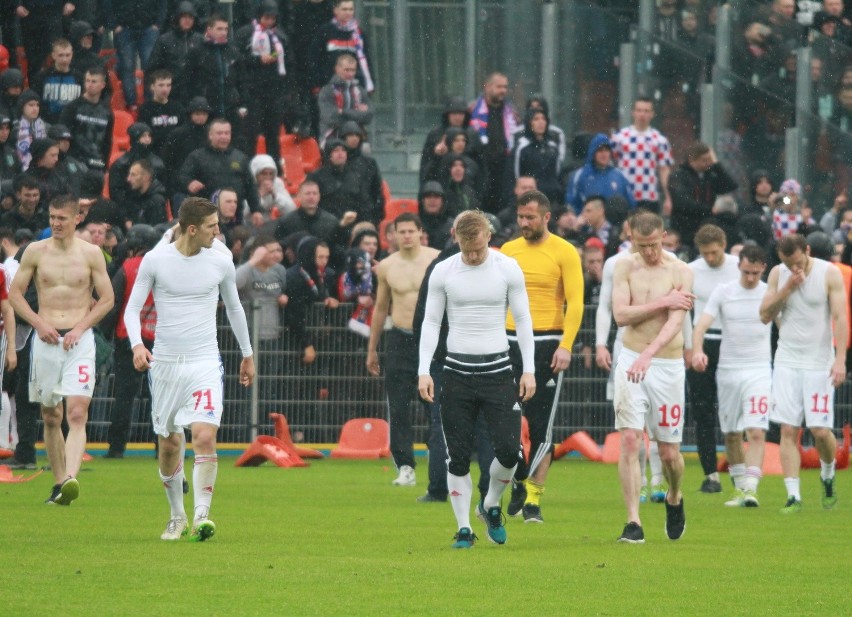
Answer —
(475, 299)
(186, 292)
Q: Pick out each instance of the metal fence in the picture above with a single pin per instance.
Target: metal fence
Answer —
(319, 398)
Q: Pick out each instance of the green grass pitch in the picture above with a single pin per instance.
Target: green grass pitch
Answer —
(337, 539)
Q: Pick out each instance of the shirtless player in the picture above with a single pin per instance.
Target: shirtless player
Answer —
(650, 297)
(66, 269)
(400, 276)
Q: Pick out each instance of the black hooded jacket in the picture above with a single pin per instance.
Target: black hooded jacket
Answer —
(305, 286)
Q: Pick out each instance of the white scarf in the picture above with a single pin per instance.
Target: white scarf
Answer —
(266, 43)
(352, 26)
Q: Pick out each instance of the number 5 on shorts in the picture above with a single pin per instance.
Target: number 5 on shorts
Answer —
(83, 372)
(670, 416)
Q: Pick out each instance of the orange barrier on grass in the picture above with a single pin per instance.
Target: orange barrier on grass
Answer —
(363, 438)
(580, 442)
(810, 456)
(771, 460)
(7, 477)
(5, 453)
(272, 449)
(282, 432)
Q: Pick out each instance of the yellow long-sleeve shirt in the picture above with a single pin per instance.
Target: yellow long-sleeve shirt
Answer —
(554, 282)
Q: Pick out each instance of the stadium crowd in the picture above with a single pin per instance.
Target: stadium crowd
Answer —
(190, 104)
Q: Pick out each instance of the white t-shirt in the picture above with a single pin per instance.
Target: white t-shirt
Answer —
(186, 292)
(475, 299)
(804, 324)
(745, 339)
(705, 280)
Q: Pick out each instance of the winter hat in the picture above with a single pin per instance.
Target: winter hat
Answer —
(261, 162)
(455, 105)
(57, 132)
(432, 188)
(350, 127)
(27, 96)
(331, 144)
(39, 148)
(791, 186)
(11, 78)
(198, 103)
(136, 130)
(185, 8)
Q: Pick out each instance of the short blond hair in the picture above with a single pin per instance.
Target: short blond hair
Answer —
(470, 223)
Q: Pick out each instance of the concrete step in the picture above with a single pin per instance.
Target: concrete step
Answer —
(402, 183)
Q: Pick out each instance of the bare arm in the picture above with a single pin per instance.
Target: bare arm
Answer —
(22, 279)
(9, 327)
(774, 299)
(380, 314)
(837, 305)
(629, 315)
(103, 288)
(699, 358)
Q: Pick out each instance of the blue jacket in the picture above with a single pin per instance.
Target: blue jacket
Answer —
(589, 180)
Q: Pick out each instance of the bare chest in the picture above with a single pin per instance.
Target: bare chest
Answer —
(647, 285)
(68, 270)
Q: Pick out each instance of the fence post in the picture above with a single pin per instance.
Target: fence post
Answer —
(400, 36)
(548, 53)
(626, 83)
(254, 416)
(470, 85)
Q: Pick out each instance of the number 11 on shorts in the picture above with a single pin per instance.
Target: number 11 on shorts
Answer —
(816, 399)
(204, 394)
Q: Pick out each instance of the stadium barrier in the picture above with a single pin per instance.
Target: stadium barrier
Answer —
(318, 399)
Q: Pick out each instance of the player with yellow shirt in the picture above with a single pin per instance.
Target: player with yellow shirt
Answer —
(553, 276)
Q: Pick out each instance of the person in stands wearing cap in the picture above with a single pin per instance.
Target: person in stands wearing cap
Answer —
(160, 112)
(266, 80)
(69, 168)
(90, 120)
(136, 24)
(30, 126)
(59, 84)
(437, 224)
(43, 170)
(171, 48)
(11, 86)
(788, 215)
(10, 165)
(366, 167)
(84, 56)
(273, 197)
(184, 139)
(343, 98)
(340, 187)
(140, 149)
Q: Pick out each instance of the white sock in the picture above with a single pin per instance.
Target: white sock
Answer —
(656, 464)
(738, 473)
(461, 490)
(501, 477)
(203, 480)
(5, 422)
(174, 490)
(752, 478)
(643, 462)
(13, 430)
(714, 476)
(792, 485)
(826, 470)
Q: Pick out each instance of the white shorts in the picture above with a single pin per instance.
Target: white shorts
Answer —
(185, 391)
(745, 397)
(799, 394)
(55, 373)
(656, 403)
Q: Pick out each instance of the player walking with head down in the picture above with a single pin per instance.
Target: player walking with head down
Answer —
(474, 287)
(186, 376)
(66, 270)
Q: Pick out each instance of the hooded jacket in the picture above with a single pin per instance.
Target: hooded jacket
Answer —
(118, 186)
(305, 286)
(591, 180)
(180, 143)
(148, 207)
(211, 71)
(455, 104)
(693, 196)
(436, 226)
(538, 158)
(172, 47)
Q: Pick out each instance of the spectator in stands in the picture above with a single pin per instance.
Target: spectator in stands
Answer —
(135, 26)
(217, 165)
(311, 16)
(69, 168)
(782, 20)
(593, 260)
(787, 215)
(460, 195)
(761, 189)
(666, 33)
(357, 285)
(844, 229)
(342, 35)
(695, 51)
(672, 243)
(309, 281)
(457, 146)
(554, 133)
(26, 213)
(537, 155)
(495, 120)
(594, 224)
(754, 58)
(161, 112)
(568, 227)
(172, 47)
(273, 197)
(598, 176)
(342, 191)
(30, 126)
(82, 38)
(694, 186)
(643, 155)
(829, 46)
(262, 282)
(145, 198)
(366, 168)
(840, 138)
(41, 24)
(726, 217)
(10, 166)
(94, 206)
(140, 149)
(43, 170)
(456, 115)
(58, 84)
(11, 86)
(90, 120)
(265, 80)
(342, 99)
(831, 219)
(211, 71)
(437, 224)
(185, 139)
(312, 219)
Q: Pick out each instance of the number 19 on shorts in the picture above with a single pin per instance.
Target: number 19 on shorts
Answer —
(670, 415)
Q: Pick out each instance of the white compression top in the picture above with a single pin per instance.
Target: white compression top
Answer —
(475, 298)
(745, 340)
(186, 292)
(705, 280)
(804, 324)
(169, 236)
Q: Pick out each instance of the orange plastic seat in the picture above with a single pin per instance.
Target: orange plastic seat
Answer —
(140, 87)
(117, 102)
(120, 138)
(272, 449)
(282, 432)
(311, 155)
(395, 207)
(363, 438)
